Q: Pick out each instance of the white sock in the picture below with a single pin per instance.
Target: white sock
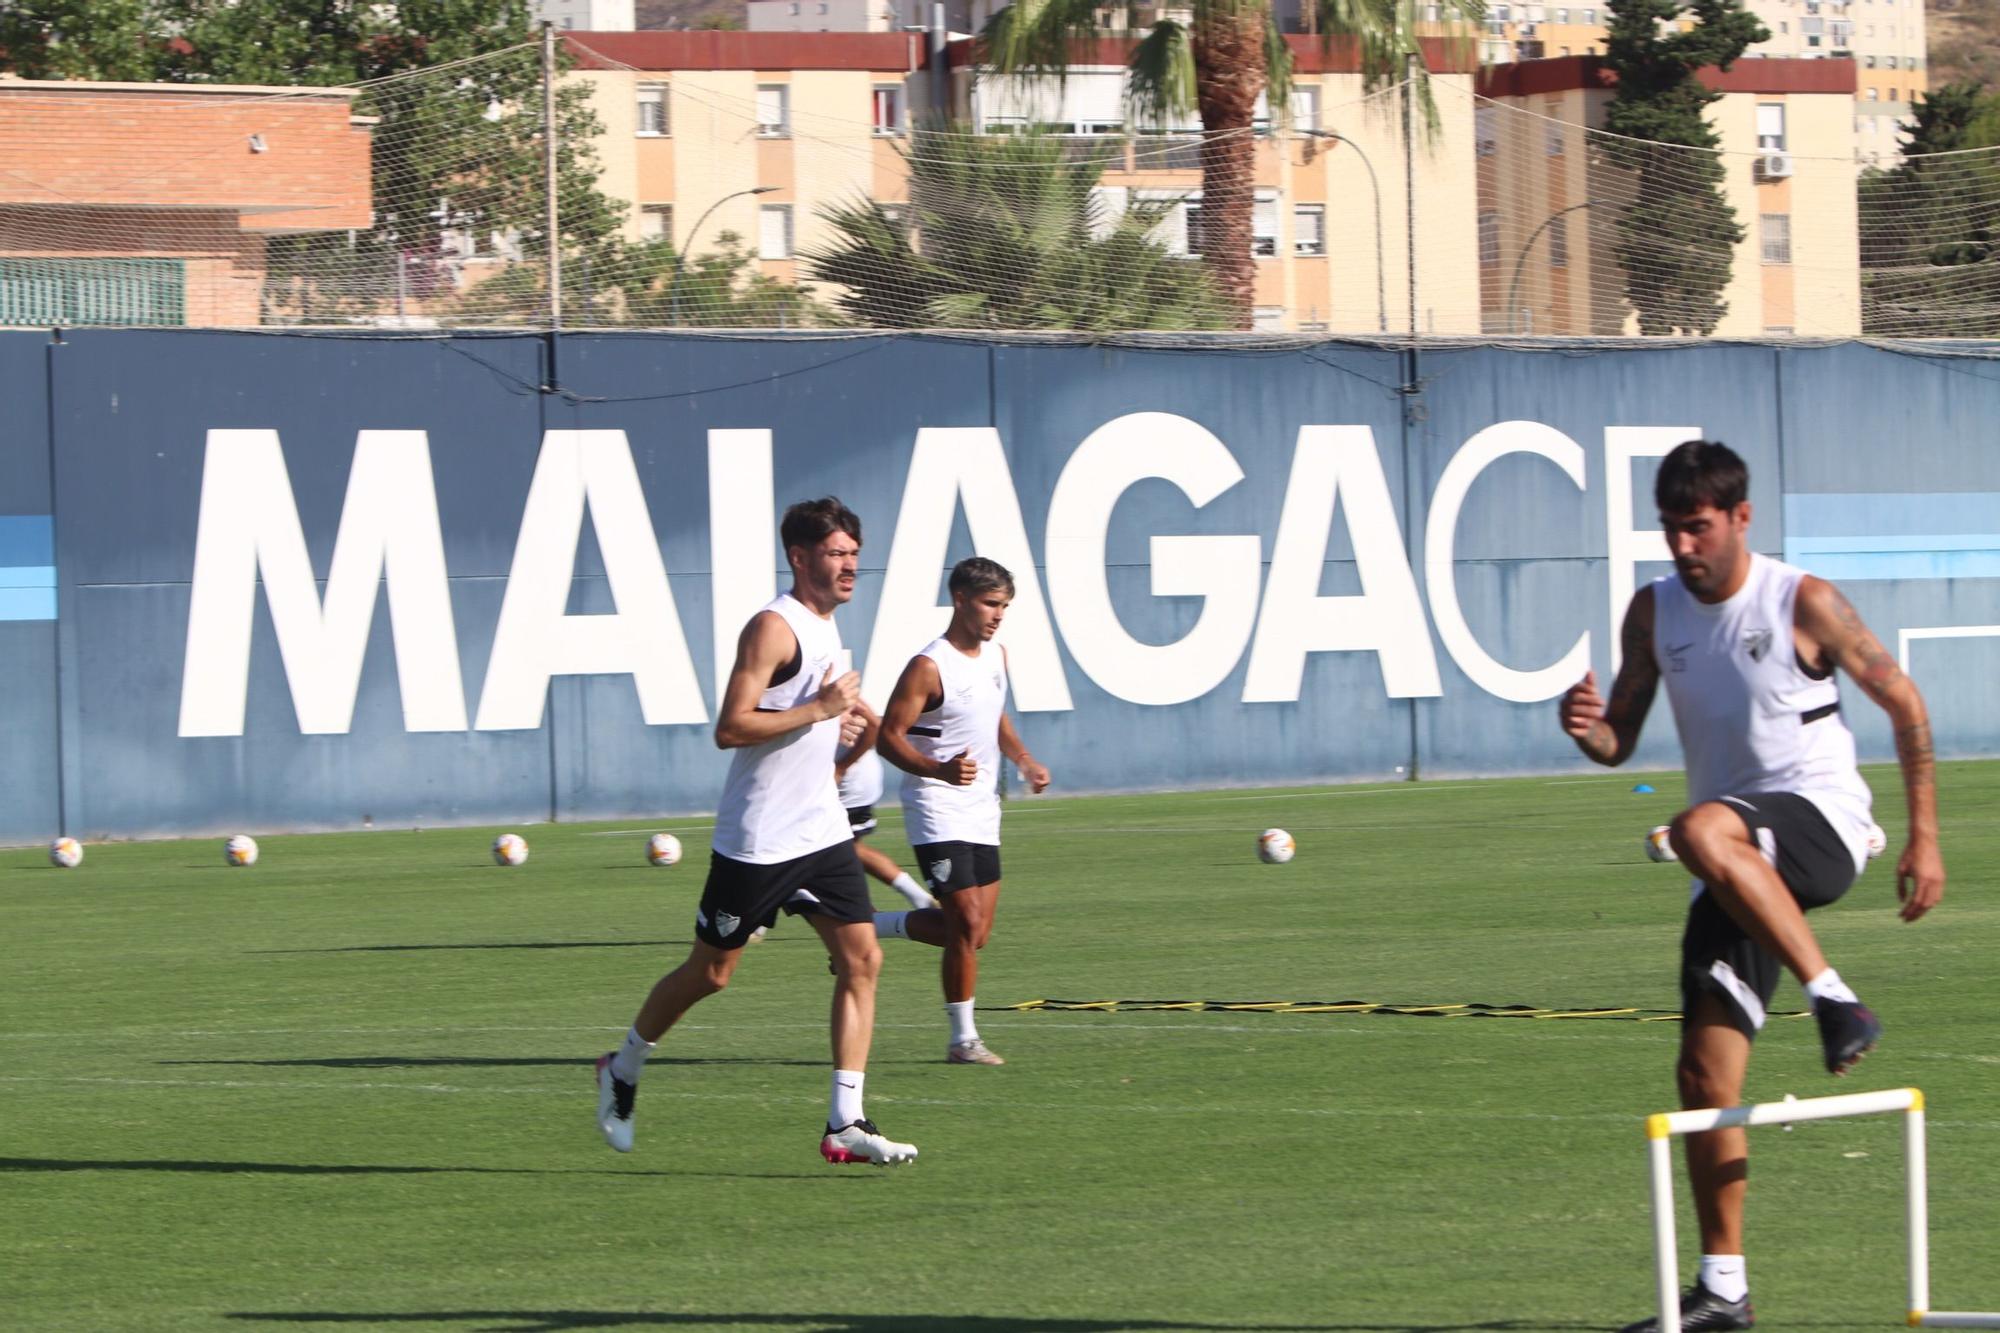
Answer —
(630, 1058)
(962, 1028)
(846, 1098)
(913, 892)
(1725, 1275)
(889, 926)
(1828, 986)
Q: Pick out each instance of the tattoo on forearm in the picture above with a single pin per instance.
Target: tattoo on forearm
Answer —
(1913, 750)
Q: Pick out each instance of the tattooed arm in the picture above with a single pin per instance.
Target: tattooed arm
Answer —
(1609, 733)
(1830, 633)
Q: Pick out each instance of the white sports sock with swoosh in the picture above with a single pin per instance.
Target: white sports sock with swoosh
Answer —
(1828, 986)
(630, 1058)
(962, 1027)
(1725, 1275)
(846, 1108)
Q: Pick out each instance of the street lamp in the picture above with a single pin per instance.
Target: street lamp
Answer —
(1521, 255)
(1375, 189)
(680, 256)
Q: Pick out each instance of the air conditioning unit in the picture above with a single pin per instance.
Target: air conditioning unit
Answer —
(1774, 166)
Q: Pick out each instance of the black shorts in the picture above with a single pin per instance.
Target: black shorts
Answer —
(740, 896)
(861, 819)
(950, 866)
(1717, 957)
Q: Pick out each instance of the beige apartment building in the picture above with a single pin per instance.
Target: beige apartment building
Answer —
(754, 133)
(1547, 201)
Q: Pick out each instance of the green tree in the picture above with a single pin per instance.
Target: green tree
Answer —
(1004, 233)
(1677, 232)
(1930, 226)
(1217, 63)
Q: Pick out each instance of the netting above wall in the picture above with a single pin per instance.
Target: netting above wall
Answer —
(689, 199)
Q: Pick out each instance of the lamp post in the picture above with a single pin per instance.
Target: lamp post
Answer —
(1521, 255)
(680, 256)
(1374, 189)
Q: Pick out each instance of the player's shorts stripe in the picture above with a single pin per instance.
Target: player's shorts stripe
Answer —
(1746, 999)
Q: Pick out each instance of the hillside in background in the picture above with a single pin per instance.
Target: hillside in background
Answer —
(1964, 42)
(689, 14)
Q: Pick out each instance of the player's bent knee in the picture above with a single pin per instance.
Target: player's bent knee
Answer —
(1705, 830)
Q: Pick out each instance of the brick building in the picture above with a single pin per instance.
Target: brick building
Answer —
(130, 203)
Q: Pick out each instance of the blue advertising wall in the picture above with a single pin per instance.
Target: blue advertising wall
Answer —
(1179, 520)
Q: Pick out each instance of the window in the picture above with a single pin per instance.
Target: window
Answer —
(656, 223)
(774, 111)
(1559, 243)
(1868, 95)
(1892, 62)
(1489, 237)
(1500, 13)
(1783, 27)
(1305, 108)
(1554, 133)
(1565, 50)
(1868, 62)
(1432, 13)
(652, 109)
(888, 109)
(1309, 229)
(1267, 319)
(1776, 231)
(1264, 225)
(1770, 127)
(1590, 16)
(1562, 16)
(1485, 131)
(1190, 244)
(774, 231)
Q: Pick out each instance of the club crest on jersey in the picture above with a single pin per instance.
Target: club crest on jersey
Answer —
(725, 924)
(941, 871)
(1757, 642)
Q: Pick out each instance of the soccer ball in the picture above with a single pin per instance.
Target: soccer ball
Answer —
(1275, 846)
(663, 849)
(1878, 841)
(510, 849)
(66, 852)
(240, 851)
(1658, 847)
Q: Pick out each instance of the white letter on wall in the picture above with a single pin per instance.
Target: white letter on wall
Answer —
(1220, 570)
(742, 538)
(388, 529)
(952, 466)
(1335, 464)
(535, 640)
(1440, 543)
(1625, 545)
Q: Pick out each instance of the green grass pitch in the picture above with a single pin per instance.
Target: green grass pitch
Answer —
(350, 1087)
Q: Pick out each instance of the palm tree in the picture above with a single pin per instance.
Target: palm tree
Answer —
(1005, 232)
(1218, 63)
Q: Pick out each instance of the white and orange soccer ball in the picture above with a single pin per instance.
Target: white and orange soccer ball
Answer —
(66, 852)
(510, 849)
(1275, 847)
(663, 849)
(240, 850)
(1659, 846)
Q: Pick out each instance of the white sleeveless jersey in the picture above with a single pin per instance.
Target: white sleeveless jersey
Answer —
(1751, 717)
(968, 719)
(862, 783)
(779, 802)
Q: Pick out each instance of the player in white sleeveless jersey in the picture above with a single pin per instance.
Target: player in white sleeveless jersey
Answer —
(946, 727)
(1777, 816)
(858, 772)
(781, 839)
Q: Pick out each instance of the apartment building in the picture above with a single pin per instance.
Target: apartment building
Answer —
(1547, 201)
(141, 203)
(755, 132)
(586, 15)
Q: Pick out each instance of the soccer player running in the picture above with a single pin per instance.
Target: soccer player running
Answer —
(1777, 816)
(781, 839)
(946, 727)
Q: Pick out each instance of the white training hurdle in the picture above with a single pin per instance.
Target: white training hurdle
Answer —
(1663, 1128)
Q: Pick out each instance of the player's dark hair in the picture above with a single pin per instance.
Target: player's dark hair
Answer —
(810, 522)
(1700, 474)
(977, 574)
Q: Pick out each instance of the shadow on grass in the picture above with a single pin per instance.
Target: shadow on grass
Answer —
(555, 1321)
(488, 1062)
(67, 1164)
(528, 944)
